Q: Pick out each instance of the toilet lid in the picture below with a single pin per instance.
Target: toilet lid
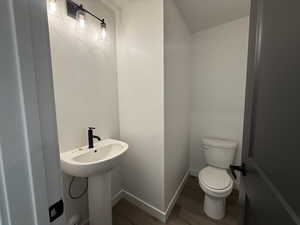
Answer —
(215, 178)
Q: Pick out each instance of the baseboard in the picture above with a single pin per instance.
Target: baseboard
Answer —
(194, 173)
(148, 208)
(236, 185)
(117, 197)
(176, 196)
(157, 213)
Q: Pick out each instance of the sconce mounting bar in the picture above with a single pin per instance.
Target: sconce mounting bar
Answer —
(73, 7)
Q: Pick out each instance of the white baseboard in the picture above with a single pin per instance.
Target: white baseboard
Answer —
(236, 185)
(157, 213)
(176, 196)
(117, 197)
(194, 173)
(148, 208)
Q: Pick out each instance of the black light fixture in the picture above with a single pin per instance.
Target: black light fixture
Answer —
(78, 12)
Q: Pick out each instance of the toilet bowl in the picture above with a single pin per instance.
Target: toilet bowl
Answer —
(214, 179)
(217, 185)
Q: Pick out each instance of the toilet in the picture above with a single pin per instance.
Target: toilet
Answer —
(214, 179)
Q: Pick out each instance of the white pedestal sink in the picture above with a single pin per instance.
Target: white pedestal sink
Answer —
(96, 164)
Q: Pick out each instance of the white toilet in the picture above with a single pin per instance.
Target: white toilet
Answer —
(214, 179)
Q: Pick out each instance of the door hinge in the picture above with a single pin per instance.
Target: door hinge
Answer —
(56, 210)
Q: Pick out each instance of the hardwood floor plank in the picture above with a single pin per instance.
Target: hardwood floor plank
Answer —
(174, 218)
(195, 219)
(134, 215)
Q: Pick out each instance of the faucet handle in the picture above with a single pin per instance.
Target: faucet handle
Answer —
(92, 128)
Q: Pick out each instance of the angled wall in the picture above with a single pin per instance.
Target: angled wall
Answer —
(154, 96)
(177, 67)
(141, 99)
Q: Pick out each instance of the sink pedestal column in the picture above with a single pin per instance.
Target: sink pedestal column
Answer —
(100, 207)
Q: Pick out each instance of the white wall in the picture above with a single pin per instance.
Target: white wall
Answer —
(85, 84)
(219, 59)
(141, 99)
(177, 65)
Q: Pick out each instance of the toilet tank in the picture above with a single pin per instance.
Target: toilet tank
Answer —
(219, 152)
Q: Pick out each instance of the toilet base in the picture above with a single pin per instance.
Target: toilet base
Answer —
(214, 207)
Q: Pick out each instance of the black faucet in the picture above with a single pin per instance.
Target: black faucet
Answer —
(91, 137)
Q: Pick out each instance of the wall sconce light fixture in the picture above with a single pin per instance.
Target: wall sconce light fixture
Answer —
(103, 30)
(80, 16)
(78, 12)
(52, 5)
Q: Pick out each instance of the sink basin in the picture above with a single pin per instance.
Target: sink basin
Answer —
(85, 162)
(96, 164)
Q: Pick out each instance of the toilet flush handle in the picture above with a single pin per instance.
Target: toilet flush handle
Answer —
(241, 169)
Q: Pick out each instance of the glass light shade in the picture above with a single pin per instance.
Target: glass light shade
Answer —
(52, 5)
(103, 31)
(80, 16)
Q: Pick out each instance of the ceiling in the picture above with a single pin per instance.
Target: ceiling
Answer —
(202, 14)
(118, 3)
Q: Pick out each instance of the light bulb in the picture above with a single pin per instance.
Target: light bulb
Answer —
(103, 30)
(81, 17)
(52, 5)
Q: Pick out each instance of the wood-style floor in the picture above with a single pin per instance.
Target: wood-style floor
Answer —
(187, 211)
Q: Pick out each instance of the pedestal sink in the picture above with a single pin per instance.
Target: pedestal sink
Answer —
(96, 164)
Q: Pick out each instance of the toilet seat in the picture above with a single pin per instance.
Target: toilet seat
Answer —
(215, 181)
(215, 178)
